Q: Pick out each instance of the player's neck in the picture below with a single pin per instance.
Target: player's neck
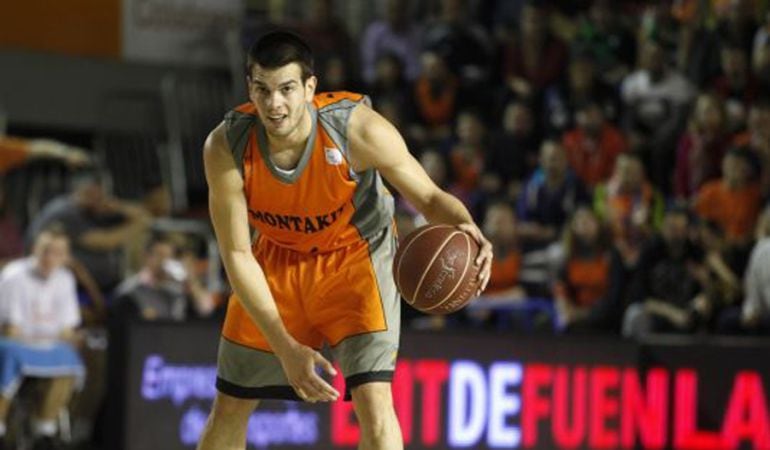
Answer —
(296, 139)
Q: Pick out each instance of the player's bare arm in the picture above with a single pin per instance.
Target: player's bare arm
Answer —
(229, 214)
(375, 143)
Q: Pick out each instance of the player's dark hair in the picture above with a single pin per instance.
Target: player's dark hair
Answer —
(279, 48)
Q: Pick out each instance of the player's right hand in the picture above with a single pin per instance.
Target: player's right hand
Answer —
(299, 363)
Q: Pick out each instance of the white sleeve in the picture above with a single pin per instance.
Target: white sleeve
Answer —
(70, 317)
(752, 304)
(12, 303)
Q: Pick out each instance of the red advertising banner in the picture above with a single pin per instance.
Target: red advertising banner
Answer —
(456, 390)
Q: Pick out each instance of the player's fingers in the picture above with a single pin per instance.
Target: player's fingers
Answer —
(325, 364)
(324, 391)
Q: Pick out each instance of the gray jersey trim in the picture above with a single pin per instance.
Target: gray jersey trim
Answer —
(264, 150)
(237, 128)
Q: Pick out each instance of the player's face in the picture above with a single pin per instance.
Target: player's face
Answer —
(281, 97)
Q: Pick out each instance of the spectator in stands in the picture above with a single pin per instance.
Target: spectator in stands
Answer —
(755, 316)
(667, 291)
(593, 145)
(613, 47)
(98, 226)
(657, 99)
(499, 226)
(393, 36)
(39, 313)
(734, 201)
(534, 58)
(328, 34)
(702, 147)
(464, 43)
(165, 288)
(436, 94)
(467, 152)
(589, 288)
(549, 198)
(582, 85)
(514, 149)
(389, 85)
(735, 85)
(756, 138)
(630, 205)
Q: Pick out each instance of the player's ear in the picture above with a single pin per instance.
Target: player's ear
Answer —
(310, 85)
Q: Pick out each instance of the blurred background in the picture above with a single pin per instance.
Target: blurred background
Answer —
(616, 153)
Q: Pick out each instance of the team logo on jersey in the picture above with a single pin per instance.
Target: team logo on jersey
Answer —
(333, 156)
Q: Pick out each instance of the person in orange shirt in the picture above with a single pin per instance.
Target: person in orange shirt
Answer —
(593, 145)
(590, 282)
(734, 201)
(303, 172)
(500, 228)
(630, 205)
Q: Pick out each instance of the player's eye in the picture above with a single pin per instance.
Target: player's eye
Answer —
(287, 89)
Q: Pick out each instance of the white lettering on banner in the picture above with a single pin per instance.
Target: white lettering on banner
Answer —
(504, 404)
(467, 395)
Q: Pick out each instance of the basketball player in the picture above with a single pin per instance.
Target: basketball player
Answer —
(304, 171)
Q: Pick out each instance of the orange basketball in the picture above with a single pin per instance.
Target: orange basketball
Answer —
(434, 269)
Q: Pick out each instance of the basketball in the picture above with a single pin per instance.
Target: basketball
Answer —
(434, 269)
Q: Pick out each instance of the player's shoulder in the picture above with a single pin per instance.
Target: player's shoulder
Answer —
(328, 100)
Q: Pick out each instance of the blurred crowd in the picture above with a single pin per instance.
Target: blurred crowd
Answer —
(616, 153)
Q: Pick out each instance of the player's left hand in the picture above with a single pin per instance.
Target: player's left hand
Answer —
(484, 258)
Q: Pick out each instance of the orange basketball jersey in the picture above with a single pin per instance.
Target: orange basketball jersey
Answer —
(322, 204)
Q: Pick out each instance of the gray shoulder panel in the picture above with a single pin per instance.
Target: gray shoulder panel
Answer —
(334, 118)
(237, 127)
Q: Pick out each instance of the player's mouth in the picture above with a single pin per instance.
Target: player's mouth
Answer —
(277, 119)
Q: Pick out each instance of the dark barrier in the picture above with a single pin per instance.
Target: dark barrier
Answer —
(455, 390)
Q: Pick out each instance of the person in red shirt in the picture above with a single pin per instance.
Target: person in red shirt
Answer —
(593, 145)
(734, 201)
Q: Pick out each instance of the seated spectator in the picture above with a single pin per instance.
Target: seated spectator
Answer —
(99, 228)
(735, 85)
(467, 155)
(514, 149)
(702, 147)
(734, 201)
(630, 205)
(593, 145)
(463, 41)
(39, 313)
(756, 138)
(657, 99)
(588, 292)
(602, 34)
(582, 85)
(667, 290)
(389, 86)
(534, 58)
(499, 227)
(436, 94)
(549, 198)
(165, 288)
(755, 315)
(394, 36)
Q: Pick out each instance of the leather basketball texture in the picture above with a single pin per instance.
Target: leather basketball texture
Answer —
(434, 269)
